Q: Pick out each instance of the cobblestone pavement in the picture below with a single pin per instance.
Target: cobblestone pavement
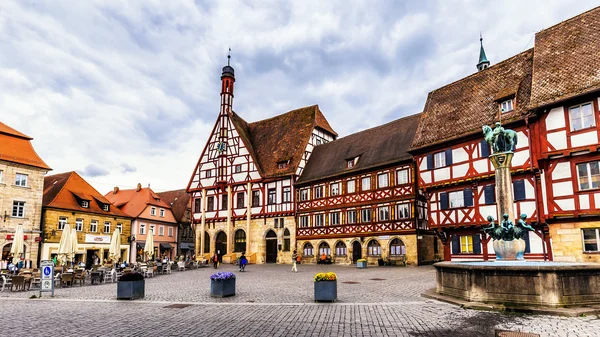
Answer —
(271, 301)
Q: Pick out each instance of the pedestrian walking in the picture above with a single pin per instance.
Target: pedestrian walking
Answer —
(294, 260)
(243, 262)
(215, 260)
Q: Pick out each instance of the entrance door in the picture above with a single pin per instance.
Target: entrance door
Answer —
(89, 258)
(356, 251)
(271, 246)
(221, 245)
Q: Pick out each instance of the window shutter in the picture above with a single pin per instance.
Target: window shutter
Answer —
(527, 245)
(468, 197)
(444, 200)
(448, 157)
(476, 244)
(489, 193)
(429, 161)
(485, 149)
(519, 189)
(455, 244)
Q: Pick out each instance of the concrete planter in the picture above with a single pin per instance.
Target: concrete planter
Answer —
(222, 288)
(130, 290)
(361, 264)
(325, 291)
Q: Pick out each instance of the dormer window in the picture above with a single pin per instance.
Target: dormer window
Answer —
(350, 163)
(106, 207)
(506, 106)
(85, 204)
(282, 164)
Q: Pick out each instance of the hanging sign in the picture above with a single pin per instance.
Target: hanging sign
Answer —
(89, 238)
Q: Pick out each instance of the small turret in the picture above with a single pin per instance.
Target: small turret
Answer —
(483, 61)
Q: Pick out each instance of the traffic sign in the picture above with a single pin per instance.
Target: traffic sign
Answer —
(47, 277)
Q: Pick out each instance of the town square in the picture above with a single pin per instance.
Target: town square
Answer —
(392, 169)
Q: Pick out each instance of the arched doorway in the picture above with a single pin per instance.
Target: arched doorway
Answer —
(356, 251)
(221, 245)
(239, 245)
(6, 252)
(271, 247)
(206, 243)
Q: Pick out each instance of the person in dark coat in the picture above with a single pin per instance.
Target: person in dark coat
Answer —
(215, 260)
(243, 262)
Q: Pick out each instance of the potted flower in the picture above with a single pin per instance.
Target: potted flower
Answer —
(325, 287)
(222, 284)
(361, 263)
(131, 286)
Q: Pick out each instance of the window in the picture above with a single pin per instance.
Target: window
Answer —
(170, 231)
(334, 218)
(373, 248)
(197, 205)
(120, 227)
(287, 194)
(1, 176)
(382, 180)
(350, 163)
(324, 249)
(439, 159)
(210, 204)
(94, 226)
(79, 225)
(402, 177)
(224, 201)
(239, 198)
(239, 244)
(340, 249)
(62, 221)
(384, 213)
(107, 227)
(282, 165)
(238, 168)
(582, 116)
(319, 220)
(397, 247)
(21, 180)
(591, 239)
(402, 211)
(335, 189)
(318, 192)
(456, 199)
(351, 186)
(275, 222)
(223, 172)
(366, 183)
(223, 132)
(308, 250)
(365, 215)
(471, 244)
(152, 231)
(153, 211)
(318, 141)
(142, 228)
(18, 209)
(85, 204)
(304, 221)
(466, 244)
(272, 198)
(303, 195)
(351, 217)
(506, 106)
(162, 213)
(106, 207)
(489, 194)
(255, 198)
(588, 175)
(161, 230)
(208, 174)
(519, 190)
(286, 240)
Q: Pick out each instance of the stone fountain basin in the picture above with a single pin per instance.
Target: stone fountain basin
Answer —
(521, 283)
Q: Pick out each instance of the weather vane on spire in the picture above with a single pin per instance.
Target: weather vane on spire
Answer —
(229, 56)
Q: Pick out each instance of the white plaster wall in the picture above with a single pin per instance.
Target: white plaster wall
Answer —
(527, 207)
(558, 139)
(555, 119)
(522, 140)
(423, 165)
(459, 155)
(561, 171)
(535, 244)
(597, 200)
(441, 174)
(459, 170)
(489, 210)
(520, 158)
(586, 138)
(566, 204)
(481, 165)
(584, 201)
(562, 189)
(426, 176)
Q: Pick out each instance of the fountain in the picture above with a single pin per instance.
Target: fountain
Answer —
(510, 282)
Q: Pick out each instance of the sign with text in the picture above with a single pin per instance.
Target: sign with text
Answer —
(47, 276)
(89, 238)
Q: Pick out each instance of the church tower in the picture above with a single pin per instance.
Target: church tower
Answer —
(227, 81)
(483, 61)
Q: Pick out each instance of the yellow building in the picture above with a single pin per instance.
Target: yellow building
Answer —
(68, 198)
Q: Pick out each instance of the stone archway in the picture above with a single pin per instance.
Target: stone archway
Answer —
(221, 245)
(271, 247)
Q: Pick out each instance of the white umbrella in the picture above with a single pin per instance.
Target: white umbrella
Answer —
(115, 246)
(149, 247)
(17, 246)
(74, 244)
(65, 245)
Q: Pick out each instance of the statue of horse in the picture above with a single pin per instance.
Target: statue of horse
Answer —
(500, 139)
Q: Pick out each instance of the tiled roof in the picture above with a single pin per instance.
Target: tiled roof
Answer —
(463, 107)
(62, 190)
(280, 138)
(16, 147)
(179, 200)
(566, 60)
(381, 145)
(134, 202)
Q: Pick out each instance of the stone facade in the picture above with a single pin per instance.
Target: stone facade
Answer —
(567, 242)
(31, 194)
(96, 244)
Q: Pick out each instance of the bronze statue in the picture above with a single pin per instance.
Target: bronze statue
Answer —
(521, 227)
(500, 139)
(506, 230)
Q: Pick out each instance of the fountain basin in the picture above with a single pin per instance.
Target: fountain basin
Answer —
(521, 283)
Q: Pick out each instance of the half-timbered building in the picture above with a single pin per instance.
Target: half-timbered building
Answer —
(243, 185)
(358, 198)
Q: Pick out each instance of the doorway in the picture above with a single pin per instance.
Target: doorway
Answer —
(221, 245)
(271, 247)
(356, 251)
(89, 259)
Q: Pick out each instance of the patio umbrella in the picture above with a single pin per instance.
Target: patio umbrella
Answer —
(74, 244)
(149, 247)
(17, 246)
(115, 246)
(65, 244)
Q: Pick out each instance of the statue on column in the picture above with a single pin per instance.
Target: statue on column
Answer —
(500, 139)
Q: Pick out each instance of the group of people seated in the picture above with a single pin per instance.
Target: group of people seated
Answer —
(324, 259)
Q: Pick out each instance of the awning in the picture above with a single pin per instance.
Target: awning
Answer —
(186, 245)
(140, 244)
(165, 245)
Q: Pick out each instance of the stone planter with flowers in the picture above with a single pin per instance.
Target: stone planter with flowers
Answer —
(361, 264)
(325, 287)
(222, 284)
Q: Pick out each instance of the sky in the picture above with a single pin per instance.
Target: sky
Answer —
(127, 92)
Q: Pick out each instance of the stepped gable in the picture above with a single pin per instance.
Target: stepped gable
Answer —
(378, 146)
(566, 62)
(461, 108)
(16, 147)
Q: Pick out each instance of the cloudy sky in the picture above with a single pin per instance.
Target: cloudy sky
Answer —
(127, 91)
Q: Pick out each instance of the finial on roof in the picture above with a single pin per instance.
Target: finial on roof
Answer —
(228, 70)
(483, 61)
(229, 56)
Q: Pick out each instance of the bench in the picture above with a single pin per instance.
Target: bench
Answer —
(397, 260)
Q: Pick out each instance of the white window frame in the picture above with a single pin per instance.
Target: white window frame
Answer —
(153, 211)
(120, 227)
(303, 194)
(318, 192)
(85, 204)
(456, 199)
(351, 216)
(21, 180)
(304, 221)
(152, 229)
(162, 212)
(334, 218)
(308, 250)
(324, 250)
(383, 213)
(351, 186)
(286, 194)
(93, 226)
(62, 221)
(580, 116)
(78, 225)
(400, 211)
(374, 250)
(365, 183)
(106, 207)
(341, 251)
(1, 176)
(238, 168)
(107, 226)
(439, 159)
(383, 180)
(597, 233)
(18, 209)
(170, 231)
(319, 220)
(589, 176)
(402, 177)
(335, 189)
(365, 213)
(142, 229)
(349, 163)
(161, 230)
(506, 106)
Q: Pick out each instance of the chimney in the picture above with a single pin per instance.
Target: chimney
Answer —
(139, 187)
(116, 189)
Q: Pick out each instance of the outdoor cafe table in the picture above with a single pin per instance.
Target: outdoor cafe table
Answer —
(97, 276)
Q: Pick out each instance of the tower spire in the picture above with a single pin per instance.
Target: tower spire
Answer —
(229, 56)
(483, 61)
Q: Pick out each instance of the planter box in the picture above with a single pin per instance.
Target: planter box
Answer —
(222, 288)
(361, 265)
(130, 290)
(326, 291)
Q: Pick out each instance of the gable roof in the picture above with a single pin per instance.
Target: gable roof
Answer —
(463, 107)
(381, 145)
(566, 62)
(16, 147)
(280, 138)
(62, 190)
(179, 200)
(133, 201)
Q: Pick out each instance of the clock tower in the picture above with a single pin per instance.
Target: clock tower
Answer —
(227, 81)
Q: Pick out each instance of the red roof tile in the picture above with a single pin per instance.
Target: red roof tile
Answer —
(16, 147)
(179, 200)
(134, 203)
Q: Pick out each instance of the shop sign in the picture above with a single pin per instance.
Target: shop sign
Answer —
(89, 238)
